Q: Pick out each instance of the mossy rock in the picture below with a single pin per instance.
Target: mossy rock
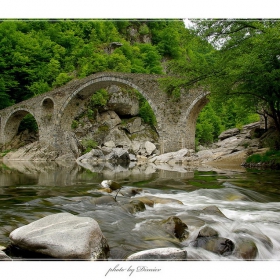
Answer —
(217, 245)
(174, 226)
(146, 201)
(207, 232)
(134, 206)
(246, 249)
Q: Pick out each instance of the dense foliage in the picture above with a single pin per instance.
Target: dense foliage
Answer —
(238, 61)
(39, 55)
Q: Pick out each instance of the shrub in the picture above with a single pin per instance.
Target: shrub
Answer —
(74, 124)
(89, 144)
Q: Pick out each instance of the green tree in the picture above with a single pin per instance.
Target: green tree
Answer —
(248, 62)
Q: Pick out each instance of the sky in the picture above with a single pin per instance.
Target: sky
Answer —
(139, 9)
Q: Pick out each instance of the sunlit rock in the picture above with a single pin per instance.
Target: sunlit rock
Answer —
(62, 236)
(159, 254)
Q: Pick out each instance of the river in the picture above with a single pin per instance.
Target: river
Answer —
(249, 200)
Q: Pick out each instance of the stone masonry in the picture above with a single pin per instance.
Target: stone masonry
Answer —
(54, 111)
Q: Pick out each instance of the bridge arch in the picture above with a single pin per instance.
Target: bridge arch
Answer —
(74, 104)
(13, 120)
(190, 117)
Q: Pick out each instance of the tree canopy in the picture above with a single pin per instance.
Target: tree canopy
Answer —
(242, 59)
(236, 60)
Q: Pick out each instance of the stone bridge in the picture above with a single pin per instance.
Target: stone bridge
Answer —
(54, 111)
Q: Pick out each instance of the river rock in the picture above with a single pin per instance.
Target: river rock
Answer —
(246, 249)
(171, 254)
(228, 133)
(217, 245)
(63, 236)
(146, 201)
(177, 157)
(207, 232)
(129, 191)
(119, 137)
(4, 257)
(259, 235)
(95, 155)
(134, 206)
(213, 210)
(150, 147)
(174, 226)
(163, 200)
(104, 200)
(118, 155)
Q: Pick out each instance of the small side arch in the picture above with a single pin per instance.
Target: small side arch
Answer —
(47, 111)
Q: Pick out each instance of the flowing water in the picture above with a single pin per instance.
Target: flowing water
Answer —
(248, 199)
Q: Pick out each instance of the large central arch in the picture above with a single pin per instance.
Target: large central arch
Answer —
(76, 101)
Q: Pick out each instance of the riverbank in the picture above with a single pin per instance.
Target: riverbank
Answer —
(232, 150)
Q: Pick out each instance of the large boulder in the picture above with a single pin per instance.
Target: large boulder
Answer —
(171, 254)
(63, 236)
(150, 147)
(109, 119)
(123, 103)
(134, 125)
(228, 133)
(118, 155)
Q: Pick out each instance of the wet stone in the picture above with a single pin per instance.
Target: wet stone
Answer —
(174, 226)
(213, 210)
(207, 232)
(217, 245)
(62, 236)
(168, 254)
(246, 249)
(134, 206)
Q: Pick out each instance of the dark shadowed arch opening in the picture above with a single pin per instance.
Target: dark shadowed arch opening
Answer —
(75, 104)
(107, 111)
(23, 125)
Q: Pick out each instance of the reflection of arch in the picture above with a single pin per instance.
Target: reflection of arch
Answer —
(13, 122)
(76, 101)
